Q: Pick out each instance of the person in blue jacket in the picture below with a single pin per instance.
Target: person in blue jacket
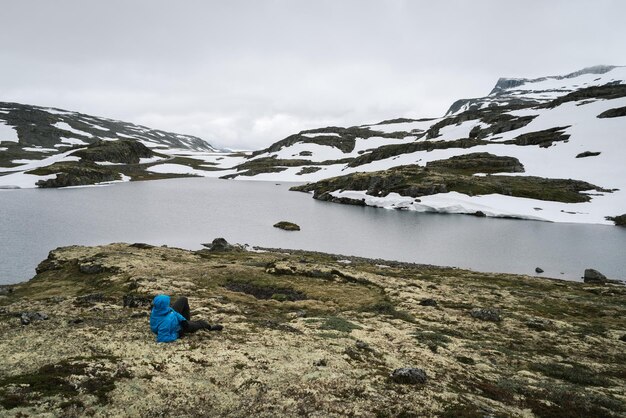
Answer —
(171, 322)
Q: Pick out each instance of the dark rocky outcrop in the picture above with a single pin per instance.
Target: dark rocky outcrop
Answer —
(388, 151)
(543, 138)
(287, 226)
(613, 113)
(607, 91)
(121, 151)
(338, 137)
(588, 154)
(428, 302)
(594, 276)
(478, 162)
(618, 220)
(409, 376)
(538, 270)
(75, 174)
(308, 170)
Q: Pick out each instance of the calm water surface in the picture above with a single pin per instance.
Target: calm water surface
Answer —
(187, 212)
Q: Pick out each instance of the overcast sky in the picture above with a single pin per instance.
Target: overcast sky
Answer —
(244, 74)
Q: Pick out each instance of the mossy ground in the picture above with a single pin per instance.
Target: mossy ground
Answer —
(323, 348)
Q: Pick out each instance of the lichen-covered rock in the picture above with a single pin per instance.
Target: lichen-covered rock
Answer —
(491, 315)
(136, 301)
(27, 317)
(219, 244)
(409, 376)
(540, 324)
(594, 276)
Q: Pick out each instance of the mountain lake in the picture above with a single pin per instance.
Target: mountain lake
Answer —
(187, 212)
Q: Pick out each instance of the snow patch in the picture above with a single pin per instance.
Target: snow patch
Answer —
(8, 133)
(66, 127)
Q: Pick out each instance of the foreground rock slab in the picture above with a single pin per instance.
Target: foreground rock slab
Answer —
(306, 334)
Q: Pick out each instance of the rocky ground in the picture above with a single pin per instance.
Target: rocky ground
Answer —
(306, 334)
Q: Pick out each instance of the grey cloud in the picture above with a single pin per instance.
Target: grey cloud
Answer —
(243, 74)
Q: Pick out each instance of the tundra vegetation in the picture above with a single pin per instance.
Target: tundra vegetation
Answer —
(306, 334)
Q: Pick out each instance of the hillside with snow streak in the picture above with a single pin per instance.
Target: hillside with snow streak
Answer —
(49, 147)
(570, 127)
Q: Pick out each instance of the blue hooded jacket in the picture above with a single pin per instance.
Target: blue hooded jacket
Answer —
(164, 321)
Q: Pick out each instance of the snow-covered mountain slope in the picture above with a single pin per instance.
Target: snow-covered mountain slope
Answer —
(41, 144)
(523, 91)
(562, 127)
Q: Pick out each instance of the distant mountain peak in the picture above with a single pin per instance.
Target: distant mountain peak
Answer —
(512, 90)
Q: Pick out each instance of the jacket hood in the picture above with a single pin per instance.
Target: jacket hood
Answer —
(161, 305)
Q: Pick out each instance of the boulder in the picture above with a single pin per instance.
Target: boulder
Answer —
(409, 376)
(135, 301)
(538, 270)
(428, 302)
(219, 244)
(27, 317)
(540, 324)
(594, 276)
(91, 267)
(491, 315)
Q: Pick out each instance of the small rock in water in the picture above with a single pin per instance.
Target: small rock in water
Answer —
(538, 270)
(479, 213)
(27, 317)
(428, 302)
(409, 376)
(594, 276)
(492, 315)
(287, 226)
